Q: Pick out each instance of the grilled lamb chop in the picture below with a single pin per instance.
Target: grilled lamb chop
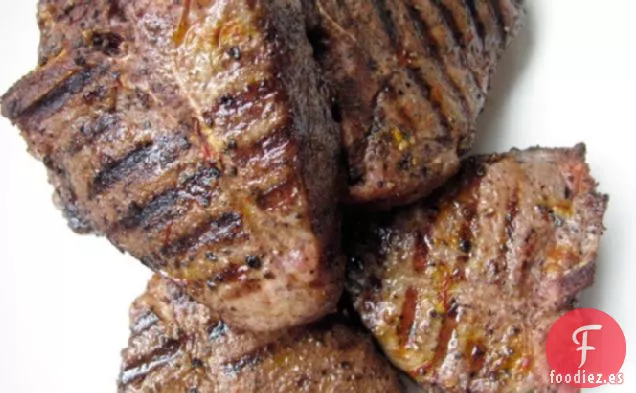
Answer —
(178, 345)
(461, 289)
(410, 79)
(195, 136)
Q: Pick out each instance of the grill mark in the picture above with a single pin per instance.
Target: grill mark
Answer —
(91, 130)
(218, 331)
(158, 358)
(247, 361)
(469, 199)
(425, 88)
(387, 22)
(164, 206)
(234, 111)
(144, 322)
(56, 98)
(422, 249)
(436, 50)
(449, 323)
(162, 152)
(428, 42)
(495, 11)
(276, 140)
(407, 317)
(275, 197)
(479, 24)
(231, 273)
(449, 21)
(215, 230)
(512, 210)
(433, 99)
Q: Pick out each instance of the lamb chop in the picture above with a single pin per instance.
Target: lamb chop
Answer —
(410, 78)
(196, 136)
(461, 289)
(178, 345)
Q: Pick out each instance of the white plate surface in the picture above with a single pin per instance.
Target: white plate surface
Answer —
(570, 77)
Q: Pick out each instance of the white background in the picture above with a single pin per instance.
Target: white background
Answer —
(570, 77)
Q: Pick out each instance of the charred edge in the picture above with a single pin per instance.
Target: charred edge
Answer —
(423, 32)
(273, 141)
(144, 322)
(163, 207)
(495, 11)
(55, 99)
(139, 369)
(407, 316)
(215, 230)
(247, 361)
(479, 24)
(145, 156)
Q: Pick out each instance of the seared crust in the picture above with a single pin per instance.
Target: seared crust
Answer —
(461, 289)
(190, 134)
(410, 78)
(178, 345)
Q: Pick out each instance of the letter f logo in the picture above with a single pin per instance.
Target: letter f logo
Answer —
(583, 344)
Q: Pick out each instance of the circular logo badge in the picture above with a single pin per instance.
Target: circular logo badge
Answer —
(586, 348)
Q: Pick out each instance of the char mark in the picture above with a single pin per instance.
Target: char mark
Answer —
(427, 92)
(479, 24)
(268, 151)
(245, 362)
(407, 316)
(53, 100)
(389, 26)
(218, 331)
(147, 156)
(238, 110)
(158, 358)
(387, 22)
(278, 196)
(227, 227)
(422, 248)
(92, 129)
(495, 9)
(144, 322)
(450, 22)
(169, 204)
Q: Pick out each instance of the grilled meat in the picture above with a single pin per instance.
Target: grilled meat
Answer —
(461, 289)
(178, 345)
(195, 136)
(410, 79)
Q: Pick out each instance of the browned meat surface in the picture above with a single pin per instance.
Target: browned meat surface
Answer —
(410, 79)
(461, 289)
(195, 136)
(179, 346)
